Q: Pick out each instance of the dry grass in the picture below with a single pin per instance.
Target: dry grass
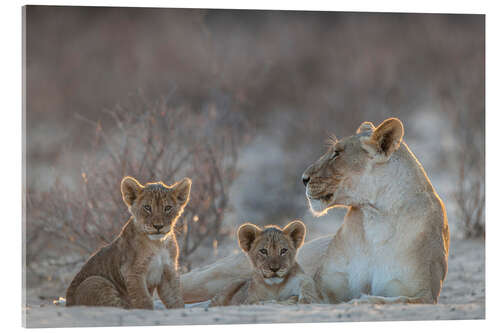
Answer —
(470, 190)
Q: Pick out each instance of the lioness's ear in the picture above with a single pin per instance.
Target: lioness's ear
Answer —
(296, 230)
(365, 126)
(182, 190)
(246, 235)
(385, 139)
(130, 190)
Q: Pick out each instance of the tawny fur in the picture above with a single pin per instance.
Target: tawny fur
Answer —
(276, 276)
(143, 258)
(393, 244)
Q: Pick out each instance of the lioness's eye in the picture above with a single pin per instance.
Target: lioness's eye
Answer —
(263, 251)
(283, 251)
(147, 208)
(168, 208)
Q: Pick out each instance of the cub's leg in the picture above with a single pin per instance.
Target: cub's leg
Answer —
(135, 282)
(98, 291)
(170, 291)
(307, 293)
(292, 300)
(138, 292)
(232, 295)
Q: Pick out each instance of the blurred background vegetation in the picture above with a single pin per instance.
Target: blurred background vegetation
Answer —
(240, 101)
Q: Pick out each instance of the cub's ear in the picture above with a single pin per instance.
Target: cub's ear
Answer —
(246, 235)
(296, 230)
(182, 190)
(131, 189)
(385, 139)
(365, 127)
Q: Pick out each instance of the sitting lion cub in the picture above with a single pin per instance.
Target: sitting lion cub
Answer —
(143, 258)
(276, 275)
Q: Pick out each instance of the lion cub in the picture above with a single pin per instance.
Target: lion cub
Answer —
(276, 275)
(143, 258)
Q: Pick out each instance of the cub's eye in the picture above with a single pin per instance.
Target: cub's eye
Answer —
(283, 251)
(168, 208)
(147, 208)
(263, 251)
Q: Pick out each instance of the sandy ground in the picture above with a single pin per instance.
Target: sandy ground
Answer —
(463, 297)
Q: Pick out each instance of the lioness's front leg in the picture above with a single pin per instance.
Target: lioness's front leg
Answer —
(170, 291)
(370, 299)
(332, 285)
(395, 291)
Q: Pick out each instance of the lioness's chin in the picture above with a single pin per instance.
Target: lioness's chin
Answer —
(319, 207)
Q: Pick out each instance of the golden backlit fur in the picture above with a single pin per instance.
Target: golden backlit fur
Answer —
(393, 244)
(276, 275)
(143, 258)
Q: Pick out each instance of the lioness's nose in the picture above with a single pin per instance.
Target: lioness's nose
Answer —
(157, 226)
(274, 269)
(305, 179)
(306, 175)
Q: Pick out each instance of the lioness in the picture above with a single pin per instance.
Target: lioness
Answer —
(143, 258)
(276, 275)
(393, 244)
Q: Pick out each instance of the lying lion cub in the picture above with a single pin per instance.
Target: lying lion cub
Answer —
(143, 258)
(276, 275)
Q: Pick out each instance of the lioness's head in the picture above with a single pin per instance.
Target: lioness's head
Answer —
(155, 206)
(342, 176)
(272, 250)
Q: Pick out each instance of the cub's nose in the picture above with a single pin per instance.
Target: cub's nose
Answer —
(305, 179)
(157, 227)
(274, 269)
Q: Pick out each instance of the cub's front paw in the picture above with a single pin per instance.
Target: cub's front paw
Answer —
(290, 301)
(305, 300)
